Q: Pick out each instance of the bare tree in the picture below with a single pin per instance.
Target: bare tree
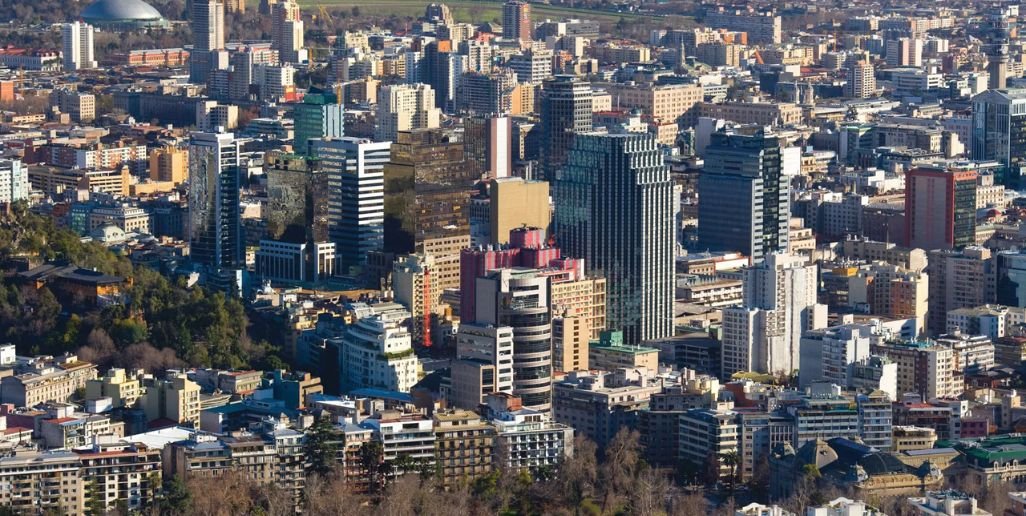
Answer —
(619, 467)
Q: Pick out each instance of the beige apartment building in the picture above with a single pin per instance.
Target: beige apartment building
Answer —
(761, 113)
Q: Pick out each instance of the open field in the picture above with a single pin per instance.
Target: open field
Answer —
(474, 11)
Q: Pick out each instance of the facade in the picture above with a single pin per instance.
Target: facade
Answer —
(614, 209)
(516, 21)
(405, 107)
(14, 181)
(762, 28)
(570, 336)
(764, 333)
(47, 382)
(483, 365)
(356, 206)
(924, 368)
(215, 221)
(597, 405)
(77, 46)
(827, 354)
(609, 353)
(519, 298)
(169, 164)
(958, 279)
(940, 207)
(743, 173)
(566, 106)
(706, 433)
(176, 398)
(377, 351)
(463, 446)
(513, 203)
(999, 127)
(320, 115)
(207, 19)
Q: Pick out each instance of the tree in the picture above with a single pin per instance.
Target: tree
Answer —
(321, 447)
(731, 459)
(578, 474)
(622, 458)
(177, 499)
(372, 462)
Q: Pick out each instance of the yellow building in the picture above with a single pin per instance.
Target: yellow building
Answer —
(176, 398)
(515, 203)
(55, 180)
(584, 298)
(169, 165)
(762, 113)
(570, 336)
(463, 446)
(122, 389)
(664, 102)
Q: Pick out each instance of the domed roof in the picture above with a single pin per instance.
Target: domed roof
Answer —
(102, 11)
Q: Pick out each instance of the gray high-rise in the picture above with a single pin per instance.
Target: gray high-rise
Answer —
(356, 181)
(565, 111)
(999, 128)
(215, 220)
(614, 208)
(743, 196)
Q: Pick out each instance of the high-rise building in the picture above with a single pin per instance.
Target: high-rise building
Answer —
(405, 107)
(779, 304)
(14, 182)
(487, 93)
(356, 186)
(940, 207)
(208, 38)
(297, 198)
(519, 299)
(427, 191)
(515, 203)
(208, 25)
(744, 201)
(320, 115)
(483, 365)
(614, 209)
(215, 222)
(287, 32)
(958, 279)
(516, 21)
(999, 128)
(77, 39)
(570, 338)
(565, 112)
(376, 350)
(926, 368)
(861, 80)
(488, 144)
(169, 164)
(905, 52)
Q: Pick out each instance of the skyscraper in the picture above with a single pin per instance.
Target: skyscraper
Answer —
(318, 116)
(287, 31)
(215, 222)
(516, 21)
(940, 207)
(77, 39)
(355, 169)
(999, 128)
(779, 304)
(743, 199)
(614, 208)
(518, 298)
(208, 38)
(565, 111)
